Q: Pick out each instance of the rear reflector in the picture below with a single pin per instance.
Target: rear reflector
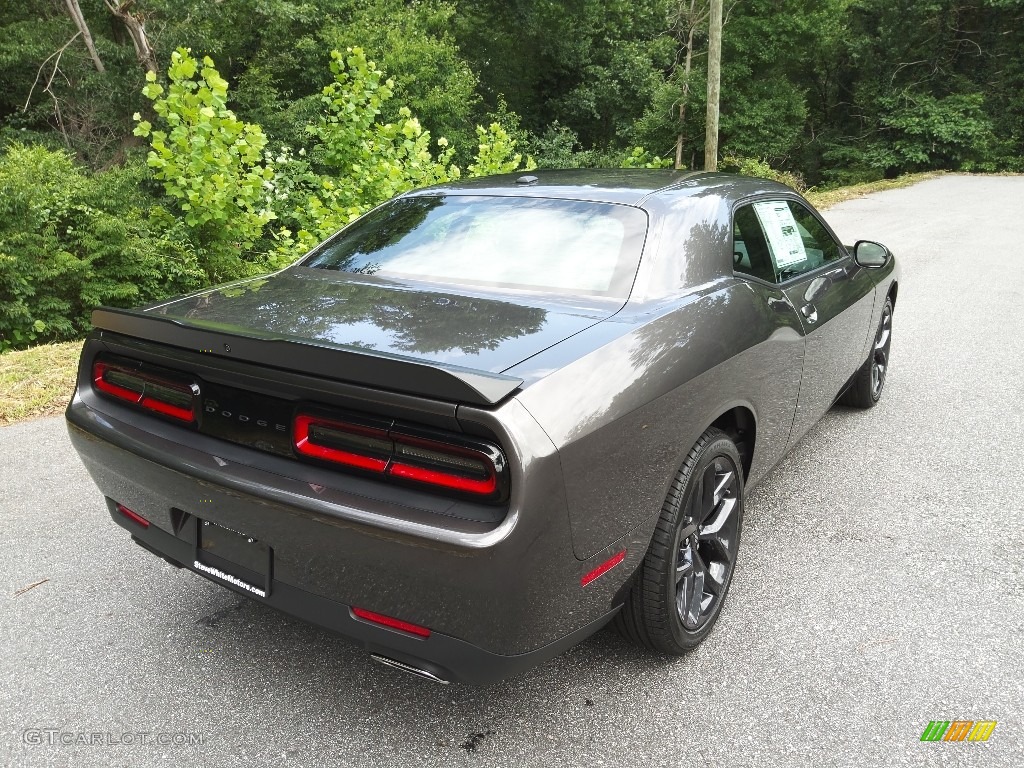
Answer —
(135, 517)
(388, 621)
(603, 568)
(464, 465)
(168, 398)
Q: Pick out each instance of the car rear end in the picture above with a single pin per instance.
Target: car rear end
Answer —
(457, 563)
(338, 441)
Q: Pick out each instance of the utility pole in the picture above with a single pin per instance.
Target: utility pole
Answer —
(714, 85)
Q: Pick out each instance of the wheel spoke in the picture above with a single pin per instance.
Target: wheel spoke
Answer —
(883, 338)
(683, 591)
(708, 492)
(721, 549)
(724, 480)
(884, 332)
(695, 502)
(696, 596)
(715, 581)
(714, 525)
(684, 563)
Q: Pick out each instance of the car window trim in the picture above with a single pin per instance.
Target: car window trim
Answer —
(788, 196)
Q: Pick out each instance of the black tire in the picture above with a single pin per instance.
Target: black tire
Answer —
(699, 533)
(867, 386)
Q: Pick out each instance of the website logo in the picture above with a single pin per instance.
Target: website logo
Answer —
(958, 730)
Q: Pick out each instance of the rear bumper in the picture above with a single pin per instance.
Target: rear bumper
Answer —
(446, 658)
(497, 599)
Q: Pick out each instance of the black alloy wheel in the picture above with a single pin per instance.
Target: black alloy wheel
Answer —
(706, 552)
(866, 388)
(681, 586)
(880, 353)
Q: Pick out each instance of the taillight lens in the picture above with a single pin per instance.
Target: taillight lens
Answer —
(447, 466)
(463, 465)
(350, 444)
(154, 393)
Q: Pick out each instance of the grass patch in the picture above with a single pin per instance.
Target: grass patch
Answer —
(826, 198)
(37, 381)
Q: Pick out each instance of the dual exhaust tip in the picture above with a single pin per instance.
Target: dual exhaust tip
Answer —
(410, 668)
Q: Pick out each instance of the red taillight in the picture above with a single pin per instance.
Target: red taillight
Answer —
(603, 568)
(135, 517)
(388, 621)
(153, 393)
(470, 467)
(350, 444)
(448, 466)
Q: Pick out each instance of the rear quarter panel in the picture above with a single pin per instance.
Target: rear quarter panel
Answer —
(624, 416)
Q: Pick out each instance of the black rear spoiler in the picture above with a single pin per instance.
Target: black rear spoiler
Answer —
(331, 361)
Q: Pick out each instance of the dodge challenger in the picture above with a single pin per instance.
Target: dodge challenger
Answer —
(490, 417)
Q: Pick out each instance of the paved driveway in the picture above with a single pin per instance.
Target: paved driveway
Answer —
(879, 587)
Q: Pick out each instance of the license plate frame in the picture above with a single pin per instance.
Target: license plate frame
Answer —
(233, 557)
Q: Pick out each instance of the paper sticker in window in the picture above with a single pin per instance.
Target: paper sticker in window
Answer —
(782, 232)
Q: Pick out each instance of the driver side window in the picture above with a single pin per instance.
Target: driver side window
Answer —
(777, 240)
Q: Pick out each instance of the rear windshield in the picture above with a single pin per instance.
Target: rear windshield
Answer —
(558, 246)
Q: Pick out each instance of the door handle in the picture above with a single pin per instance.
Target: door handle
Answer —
(810, 312)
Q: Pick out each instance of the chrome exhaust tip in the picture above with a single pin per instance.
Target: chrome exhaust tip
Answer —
(412, 670)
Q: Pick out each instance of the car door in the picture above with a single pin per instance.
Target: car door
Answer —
(833, 296)
(777, 364)
(789, 250)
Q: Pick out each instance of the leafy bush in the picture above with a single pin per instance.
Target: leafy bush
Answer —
(760, 168)
(227, 185)
(69, 242)
(922, 132)
(638, 157)
(211, 164)
(496, 153)
(359, 162)
(366, 161)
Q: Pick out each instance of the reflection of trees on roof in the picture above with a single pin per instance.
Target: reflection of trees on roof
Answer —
(332, 308)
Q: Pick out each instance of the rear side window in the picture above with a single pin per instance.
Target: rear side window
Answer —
(559, 246)
(776, 240)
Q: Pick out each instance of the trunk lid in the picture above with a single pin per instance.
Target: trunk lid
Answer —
(411, 337)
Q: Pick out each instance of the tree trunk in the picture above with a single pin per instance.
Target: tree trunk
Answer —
(681, 138)
(135, 24)
(714, 86)
(76, 15)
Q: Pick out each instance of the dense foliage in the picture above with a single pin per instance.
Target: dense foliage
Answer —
(70, 242)
(252, 139)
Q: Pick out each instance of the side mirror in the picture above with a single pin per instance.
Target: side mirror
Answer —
(870, 254)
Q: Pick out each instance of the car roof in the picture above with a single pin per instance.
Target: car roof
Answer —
(626, 186)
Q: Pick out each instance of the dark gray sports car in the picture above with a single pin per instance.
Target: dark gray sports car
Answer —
(489, 417)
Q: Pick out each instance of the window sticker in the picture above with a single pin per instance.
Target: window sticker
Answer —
(782, 232)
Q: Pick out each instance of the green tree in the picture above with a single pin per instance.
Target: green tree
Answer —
(210, 163)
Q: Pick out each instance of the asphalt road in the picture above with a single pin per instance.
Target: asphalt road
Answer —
(879, 587)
